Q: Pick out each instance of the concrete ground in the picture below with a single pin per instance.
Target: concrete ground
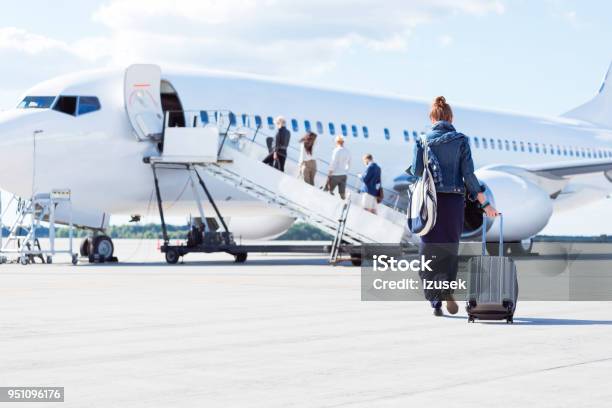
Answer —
(281, 331)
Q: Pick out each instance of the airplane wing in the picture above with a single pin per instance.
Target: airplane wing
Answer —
(553, 177)
(564, 170)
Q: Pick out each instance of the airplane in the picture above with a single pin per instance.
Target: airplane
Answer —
(89, 131)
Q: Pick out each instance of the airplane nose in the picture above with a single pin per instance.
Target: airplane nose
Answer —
(16, 151)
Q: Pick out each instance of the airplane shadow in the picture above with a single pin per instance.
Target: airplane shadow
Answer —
(542, 321)
(254, 262)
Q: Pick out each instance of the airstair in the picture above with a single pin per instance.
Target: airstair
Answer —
(234, 155)
(23, 235)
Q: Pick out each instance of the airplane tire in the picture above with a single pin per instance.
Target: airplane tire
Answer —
(84, 248)
(102, 245)
(521, 248)
(241, 257)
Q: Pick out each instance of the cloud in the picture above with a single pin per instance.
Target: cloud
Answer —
(13, 38)
(276, 37)
(446, 40)
(269, 36)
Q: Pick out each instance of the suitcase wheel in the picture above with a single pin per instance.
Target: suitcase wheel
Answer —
(470, 319)
(510, 320)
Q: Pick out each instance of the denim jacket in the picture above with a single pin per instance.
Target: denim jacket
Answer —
(451, 158)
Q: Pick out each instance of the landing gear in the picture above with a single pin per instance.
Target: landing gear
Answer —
(519, 248)
(523, 247)
(356, 259)
(84, 248)
(101, 249)
(240, 257)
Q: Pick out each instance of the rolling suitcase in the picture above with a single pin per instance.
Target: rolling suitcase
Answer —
(493, 284)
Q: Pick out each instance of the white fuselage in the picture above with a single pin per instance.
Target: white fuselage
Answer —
(98, 157)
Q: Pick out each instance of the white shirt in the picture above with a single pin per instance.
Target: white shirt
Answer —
(340, 162)
(304, 155)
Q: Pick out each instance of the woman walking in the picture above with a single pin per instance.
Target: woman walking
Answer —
(452, 167)
(307, 163)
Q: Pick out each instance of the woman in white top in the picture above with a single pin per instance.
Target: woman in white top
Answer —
(308, 164)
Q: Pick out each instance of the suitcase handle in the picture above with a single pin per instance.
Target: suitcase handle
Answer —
(484, 234)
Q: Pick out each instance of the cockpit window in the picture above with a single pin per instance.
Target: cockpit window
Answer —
(88, 104)
(36, 102)
(76, 105)
(66, 104)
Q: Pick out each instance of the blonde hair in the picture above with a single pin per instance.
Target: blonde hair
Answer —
(280, 121)
(339, 140)
(440, 110)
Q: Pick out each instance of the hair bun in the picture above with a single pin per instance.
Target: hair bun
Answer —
(440, 101)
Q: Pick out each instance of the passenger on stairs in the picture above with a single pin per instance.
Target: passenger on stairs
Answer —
(371, 187)
(338, 168)
(307, 163)
(278, 155)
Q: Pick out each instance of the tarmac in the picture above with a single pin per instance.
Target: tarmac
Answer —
(281, 331)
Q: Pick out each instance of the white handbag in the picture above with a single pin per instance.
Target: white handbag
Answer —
(422, 208)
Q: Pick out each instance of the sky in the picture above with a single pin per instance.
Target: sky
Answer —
(538, 57)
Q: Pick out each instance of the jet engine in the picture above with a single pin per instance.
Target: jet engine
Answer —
(526, 208)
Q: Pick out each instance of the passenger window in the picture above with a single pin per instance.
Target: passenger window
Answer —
(88, 104)
(552, 149)
(66, 104)
(544, 149)
(204, 117)
(537, 148)
(258, 121)
(529, 148)
(232, 119)
(499, 144)
(522, 146)
(484, 143)
(354, 131)
(476, 143)
(558, 150)
(270, 123)
(319, 128)
(507, 143)
(492, 143)
(406, 135)
(307, 125)
(366, 133)
(415, 136)
(294, 125)
(332, 129)
(344, 130)
(387, 134)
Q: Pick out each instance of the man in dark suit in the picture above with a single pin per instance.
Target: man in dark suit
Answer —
(278, 155)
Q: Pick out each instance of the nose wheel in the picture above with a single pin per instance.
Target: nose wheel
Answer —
(100, 249)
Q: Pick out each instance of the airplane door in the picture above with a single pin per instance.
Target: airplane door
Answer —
(143, 100)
